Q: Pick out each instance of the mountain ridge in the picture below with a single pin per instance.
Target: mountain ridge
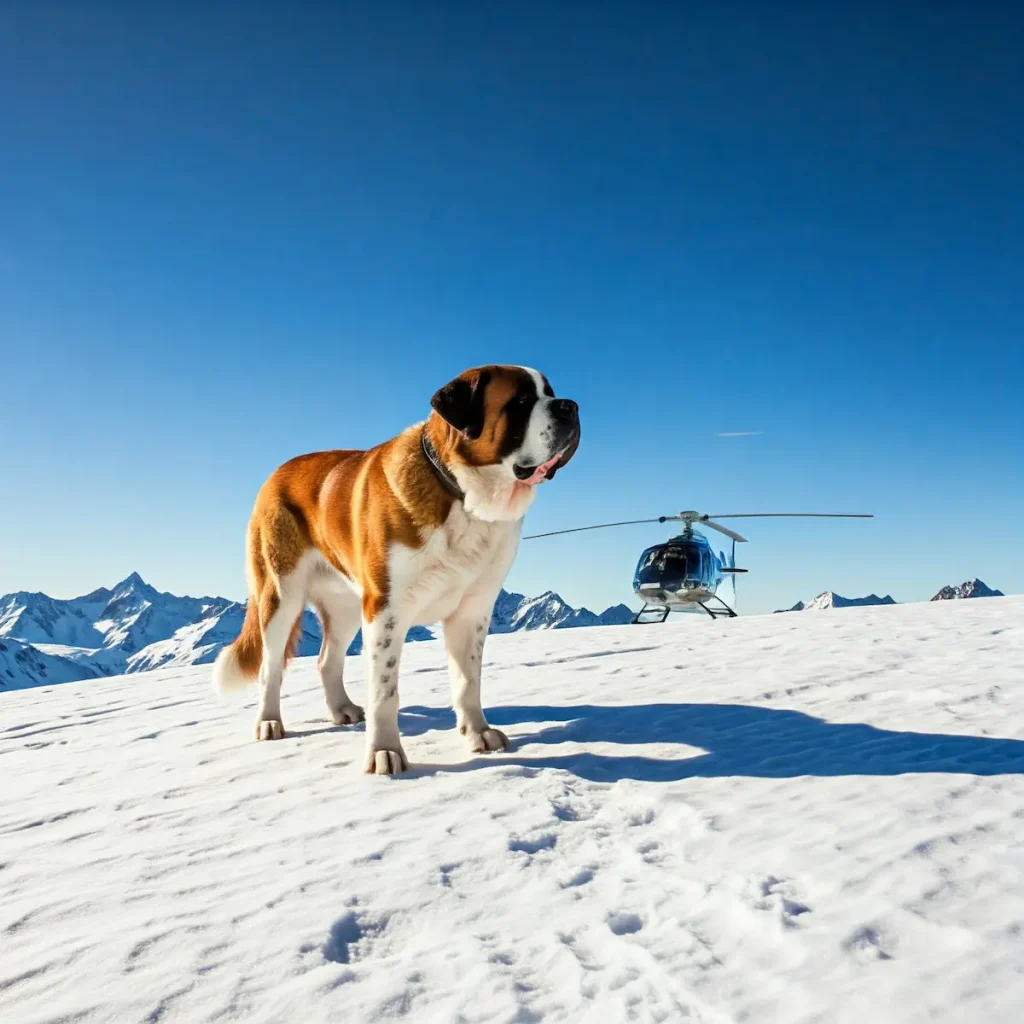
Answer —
(133, 627)
(830, 599)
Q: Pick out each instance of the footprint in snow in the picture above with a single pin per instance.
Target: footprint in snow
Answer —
(867, 944)
(779, 895)
(563, 813)
(624, 923)
(638, 818)
(445, 872)
(352, 938)
(648, 850)
(581, 877)
(534, 845)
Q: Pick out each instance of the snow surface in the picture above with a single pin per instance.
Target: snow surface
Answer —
(780, 818)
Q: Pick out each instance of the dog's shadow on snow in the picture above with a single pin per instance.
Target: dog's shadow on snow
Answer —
(731, 740)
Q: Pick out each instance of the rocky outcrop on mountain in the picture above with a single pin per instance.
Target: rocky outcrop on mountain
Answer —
(971, 588)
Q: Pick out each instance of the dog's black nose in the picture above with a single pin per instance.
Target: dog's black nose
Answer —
(565, 409)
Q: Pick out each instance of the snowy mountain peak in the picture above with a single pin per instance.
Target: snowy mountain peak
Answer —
(513, 612)
(970, 588)
(134, 584)
(830, 599)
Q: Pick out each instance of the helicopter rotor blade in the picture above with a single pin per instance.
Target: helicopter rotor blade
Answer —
(793, 515)
(599, 526)
(693, 517)
(708, 521)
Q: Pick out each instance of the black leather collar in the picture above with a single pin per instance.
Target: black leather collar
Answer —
(444, 474)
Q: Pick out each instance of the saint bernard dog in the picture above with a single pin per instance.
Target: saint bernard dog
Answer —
(423, 528)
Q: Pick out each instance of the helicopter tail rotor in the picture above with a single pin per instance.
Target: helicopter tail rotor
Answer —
(730, 570)
(728, 561)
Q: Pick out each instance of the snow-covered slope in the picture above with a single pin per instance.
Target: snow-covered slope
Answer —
(971, 588)
(20, 661)
(804, 818)
(829, 599)
(134, 628)
(36, 618)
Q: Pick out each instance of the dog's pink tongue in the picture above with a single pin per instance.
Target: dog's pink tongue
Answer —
(541, 471)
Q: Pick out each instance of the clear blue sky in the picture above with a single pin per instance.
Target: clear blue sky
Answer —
(231, 235)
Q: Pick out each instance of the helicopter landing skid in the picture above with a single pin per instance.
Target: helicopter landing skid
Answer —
(723, 612)
(658, 613)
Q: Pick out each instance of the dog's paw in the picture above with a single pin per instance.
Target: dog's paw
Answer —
(269, 729)
(349, 714)
(486, 741)
(385, 762)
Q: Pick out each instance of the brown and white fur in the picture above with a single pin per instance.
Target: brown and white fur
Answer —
(382, 539)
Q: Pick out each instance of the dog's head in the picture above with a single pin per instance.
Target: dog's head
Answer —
(508, 433)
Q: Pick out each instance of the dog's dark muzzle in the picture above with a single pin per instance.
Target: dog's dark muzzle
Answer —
(566, 416)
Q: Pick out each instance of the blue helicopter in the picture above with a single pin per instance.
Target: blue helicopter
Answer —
(684, 572)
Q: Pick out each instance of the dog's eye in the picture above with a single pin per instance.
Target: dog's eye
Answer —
(519, 404)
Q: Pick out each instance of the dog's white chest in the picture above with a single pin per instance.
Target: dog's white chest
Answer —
(463, 554)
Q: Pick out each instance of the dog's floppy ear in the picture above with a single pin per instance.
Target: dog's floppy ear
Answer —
(461, 403)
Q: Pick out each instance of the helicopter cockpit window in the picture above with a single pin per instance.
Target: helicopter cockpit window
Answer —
(670, 566)
(650, 557)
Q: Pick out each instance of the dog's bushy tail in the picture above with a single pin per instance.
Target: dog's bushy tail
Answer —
(238, 664)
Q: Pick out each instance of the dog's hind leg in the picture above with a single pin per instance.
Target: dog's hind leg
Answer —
(340, 616)
(284, 548)
(280, 612)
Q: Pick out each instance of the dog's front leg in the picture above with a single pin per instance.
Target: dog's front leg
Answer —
(465, 632)
(383, 638)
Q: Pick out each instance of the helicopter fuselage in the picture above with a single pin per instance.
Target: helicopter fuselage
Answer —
(679, 572)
